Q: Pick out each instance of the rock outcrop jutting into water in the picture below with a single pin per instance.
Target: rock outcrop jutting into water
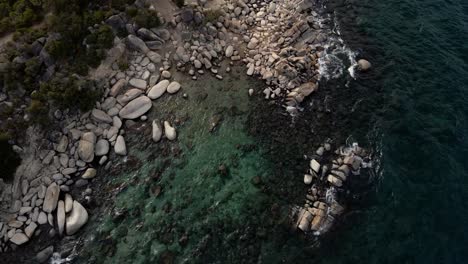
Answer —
(278, 41)
(329, 176)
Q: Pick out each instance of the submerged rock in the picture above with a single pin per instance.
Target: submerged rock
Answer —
(43, 255)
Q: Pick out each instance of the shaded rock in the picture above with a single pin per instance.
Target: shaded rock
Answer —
(154, 57)
(89, 173)
(19, 239)
(102, 147)
(63, 144)
(77, 218)
(101, 116)
(117, 87)
(136, 43)
(60, 216)
(128, 96)
(136, 108)
(51, 198)
(44, 255)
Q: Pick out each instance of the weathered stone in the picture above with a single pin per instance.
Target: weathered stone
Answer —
(86, 151)
(61, 216)
(68, 203)
(51, 198)
(169, 131)
(89, 173)
(19, 239)
(44, 255)
(307, 179)
(101, 116)
(42, 218)
(173, 87)
(77, 218)
(314, 165)
(29, 230)
(157, 131)
(102, 147)
(229, 51)
(136, 108)
(117, 87)
(120, 148)
(136, 43)
(63, 144)
(158, 90)
(154, 57)
(138, 83)
(364, 65)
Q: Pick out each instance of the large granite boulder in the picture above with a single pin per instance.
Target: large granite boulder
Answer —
(136, 108)
(77, 218)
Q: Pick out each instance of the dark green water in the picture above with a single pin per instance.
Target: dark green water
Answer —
(419, 211)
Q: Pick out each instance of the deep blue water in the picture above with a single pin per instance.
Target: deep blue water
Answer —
(419, 210)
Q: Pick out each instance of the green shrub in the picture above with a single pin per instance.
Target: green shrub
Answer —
(179, 3)
(147, 18)
(212, 15)
(131, 11)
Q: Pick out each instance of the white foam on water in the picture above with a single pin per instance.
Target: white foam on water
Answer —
(337, 56)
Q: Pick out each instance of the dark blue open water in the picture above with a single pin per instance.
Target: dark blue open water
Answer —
(419, 211)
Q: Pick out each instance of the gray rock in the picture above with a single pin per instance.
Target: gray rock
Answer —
(102, 147)
(51, 198)
(138, 83)
(147, 34)
(68, 203)
(61, 216)
(77, 218)
(63, 144)
(120, 148)
(154, 57)
(157, 131)
(44, 255)
(101, 116)
(173, 87)
(229, 51)
(86, 147)
(42, 218)
(89, 173)
(158, 90)
(128, 96)
(364, 65)
(117, 87)
(169, 131)
(136, 43)
(19, 239)
(136, 108)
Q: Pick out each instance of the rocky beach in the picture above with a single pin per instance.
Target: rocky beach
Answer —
(215, 129)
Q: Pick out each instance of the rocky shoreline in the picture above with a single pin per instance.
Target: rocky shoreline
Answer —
(279, 42)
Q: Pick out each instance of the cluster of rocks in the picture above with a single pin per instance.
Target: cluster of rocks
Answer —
(279, 41)
(327, 177)
(40, 194)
